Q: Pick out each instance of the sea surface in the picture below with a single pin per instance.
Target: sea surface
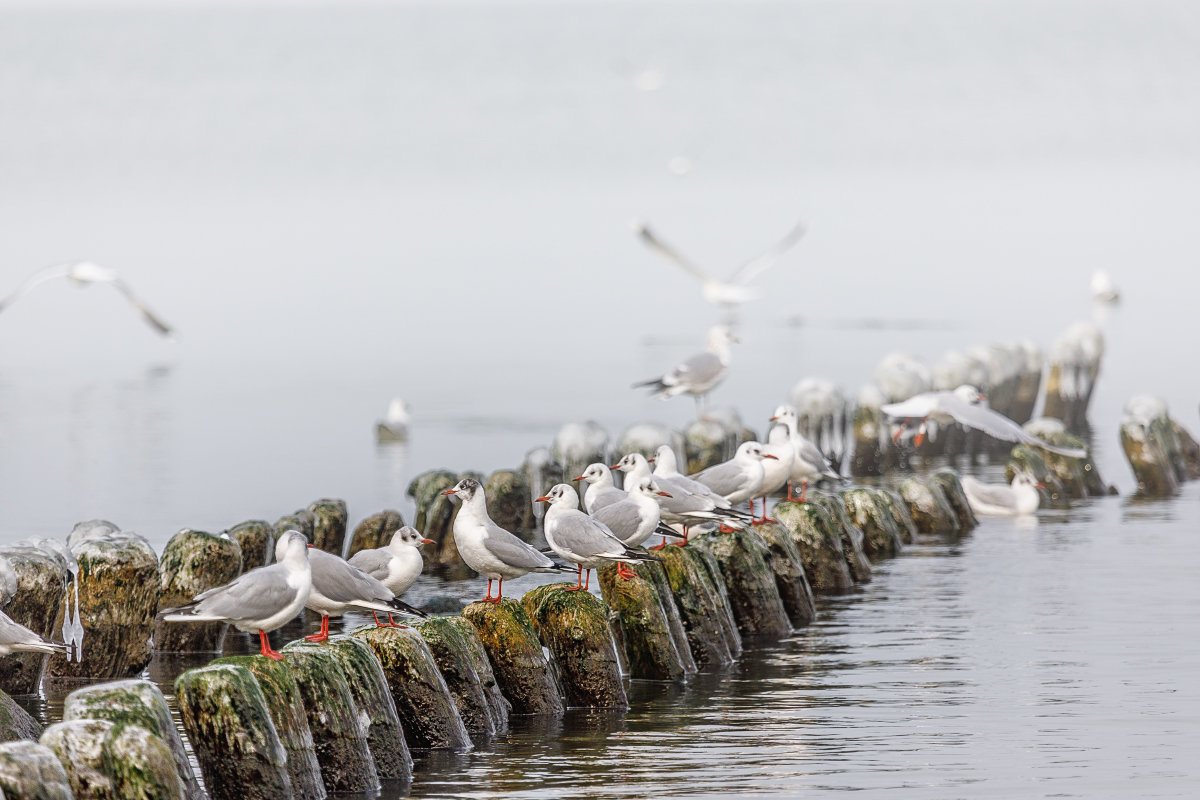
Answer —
(335, 204)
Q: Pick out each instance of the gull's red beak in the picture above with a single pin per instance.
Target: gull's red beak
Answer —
(542, 500)
(650, 460)
(773, 419)
(577, 478)
(427, 541)
(450, 491)
(615, 466)
(312, 545)
(1040, 485)
(663, 494)
(768, 455)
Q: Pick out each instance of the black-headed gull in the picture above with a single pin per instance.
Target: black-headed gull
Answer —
(487, 548)
(581, 539)
(398, 564)
(699, 374)
(1017, 499)
(684, 507)
(634, 519)
(338, 586)
(778, 455)
(262, 599)
(740, 477)
(808, 462)
(601, 491)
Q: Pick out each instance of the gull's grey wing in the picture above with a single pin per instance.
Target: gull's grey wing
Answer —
(580, 534)
(41, 276)
(257, 594)
(999, 426)
(511, 550)
(605, 499)
(14, 634)
(751, 269)
(146, 313)
(813, 455)
(919, 405)
(699, 369)
(989, 494)
(372, 562)
(623, 519)
(654, 243)
(724, 479)
(343, 583)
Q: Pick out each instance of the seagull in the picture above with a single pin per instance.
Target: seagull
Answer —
(601, 490)
(808, 462)
(8, 582)
(1103, 288)
(634, 519)
(15, 637)
(700, 374)
(260, 600)
(683, 507)
(338, 587)
(728, 295)
(397, 565)
(1019, 499)
(740, 477)
(82, 273)
(778, 457)
(394, 426)
(486, 547)
(963, 405)
(581, 539)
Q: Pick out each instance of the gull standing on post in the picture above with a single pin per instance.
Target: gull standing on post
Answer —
(683, 507)
(581, 539)
(338, 587)
(397, 565)
(778, 456)
(260, 600)
(738, 478)
(487, 548)
(634, 519)
(83, 273)
(808, 462)
(699, 374)
(601, 490)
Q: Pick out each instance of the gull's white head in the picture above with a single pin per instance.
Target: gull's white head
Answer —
(561, 495)
(648, 488)
(785, 414)
(752, 450)
(595, 473)
(397, 412)
(1025, 480)
(291, 548)
(408, 536)
(664, 458)
(969, 394)
(631, 461)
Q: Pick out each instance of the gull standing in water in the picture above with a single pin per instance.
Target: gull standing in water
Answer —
(487, 548)
(338, 586)
(699, 374)
(1020, 499)
(964, 405)
(728, 295)
(83, 273)
(396, 565)
(808, 462)
(581, 539)
(260, 600)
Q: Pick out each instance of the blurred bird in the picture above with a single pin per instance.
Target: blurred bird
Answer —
(1019, 498)
(394, 426)
(582, 540)
(701, 373)
(1103, 288)
(15, 637)
(397, 565)
(83, 273)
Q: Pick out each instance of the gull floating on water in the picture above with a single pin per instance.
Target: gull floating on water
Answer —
(394, 426)
(582, 540)
(727, 295)
(15, 637)
(487, 548)
(338, 586)
(83, 273)
(262, 599)
(699, 374)
(1019, 499)
(963, 405)
(396, 565)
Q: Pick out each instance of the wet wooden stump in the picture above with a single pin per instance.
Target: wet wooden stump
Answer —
(820, 544)
(508, 501)
(952, 488)
(369, 688)
(881, 534)
(301, 520)
(788, 567)
(118, 600)
(31, 771)
(334, 720)
(426, 708)
(468, 674)
(227, 720)
(930, 509)
(851, 535)
(106, 761)
(574, 627)
(375, 531)
(192, 562)
(256, 541)
(135, 702)
(330, 517)
(895, 506)
(1031, 460)
(745, 558)
(285, 706)
(706, 618)
(644, 630)
(521, 668)
(1153, 447)
(16, 723)
(41, 580)
(577, 444)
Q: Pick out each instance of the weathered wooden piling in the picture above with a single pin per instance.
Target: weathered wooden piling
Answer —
(468, 674)
(136, 702)
(118, 599)
(646, 438)
(851, 535)
(707, 442)
(952, 488)
(1031, 461)
(541, 472)
(1074, 367)
(41, 580)
(644, 631)
(285, 706)
(745, 560)
(90, 529)
(256, 541)
(106, 761)
(509, 503)
(927, 503)
(339, 738)
(369, 688)
(898, 509)
(15, 722)
(423, 701)
(1079, 476)
(874, 451)
(229, 724)
(192, 562)
(330, 517)
(574, 627)
(819, 541)
(301, 520)
(881, 534)
(31, 771)
(1152, 445)
(705, 614)
(788, 568)
(521, 668)
(375, 531)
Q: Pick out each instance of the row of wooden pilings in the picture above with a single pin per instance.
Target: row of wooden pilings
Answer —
(342, 715)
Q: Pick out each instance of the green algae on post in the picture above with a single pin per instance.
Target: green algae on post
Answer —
(256, 540)
(522, 671)
(819, 541)
(192, 562)
(369, 688)
(788, 568)
(104, 761)
(458, 652)
(745, 562)
(330, 517)
(650, 648)
(930, 509)
(881, 535)
(700, 606)
(851, 535)
(31, 771)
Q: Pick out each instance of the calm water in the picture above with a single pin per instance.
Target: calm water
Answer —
(338, 205)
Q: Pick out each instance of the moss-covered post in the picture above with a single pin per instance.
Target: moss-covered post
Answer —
(106, 761)
(118, 599)
(650, 648)
(330, 517)
(192, 562)
(256, 541)
(745, 562)
(135, 702)
(41, 580)
(460, 658)
(375, 531)
(851, 535)
(733, 637)
(31, 771)
(952, 488)
(509, 503)
(706, 442)
(15, 722)
(700, 606)
(522, 671)
(574, 626)
(285, 706)
(819, 541)
(333, 718)
(369, 688)
(898, 509)
(1031, 461)
(423, 700)
(787, 565)
(930, 509)
(301, 520)
(881, 534)
(229, 725)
